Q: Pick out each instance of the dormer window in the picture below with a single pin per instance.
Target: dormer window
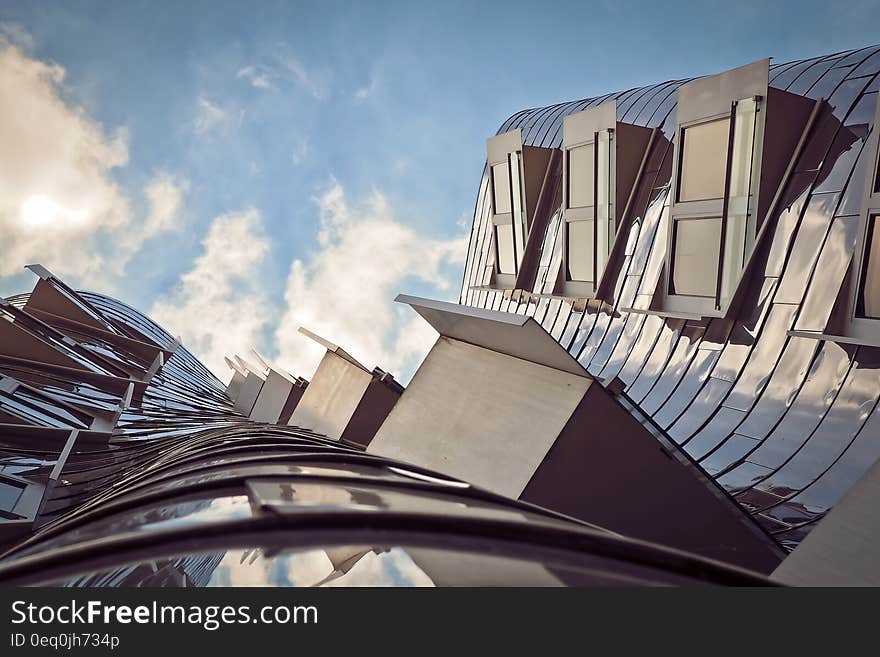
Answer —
(601, 160)
(719, 190)
(864, 307)
(508, 240)
(703, 162)
(522, 185)
(726, 185)
(713, 216)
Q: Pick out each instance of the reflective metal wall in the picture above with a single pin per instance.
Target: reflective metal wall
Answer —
(123, 462)
(785, 424)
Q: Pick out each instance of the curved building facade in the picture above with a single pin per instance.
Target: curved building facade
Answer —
(741, 323)
(664, 367)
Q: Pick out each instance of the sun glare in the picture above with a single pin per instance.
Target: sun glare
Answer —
(41, 210)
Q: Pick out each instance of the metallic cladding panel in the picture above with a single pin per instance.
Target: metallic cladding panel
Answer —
(606, 468)
(835, 553)
(273, 395)
(480, 415)
(332, 397)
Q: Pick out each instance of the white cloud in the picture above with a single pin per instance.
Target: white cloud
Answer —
(258, 79)
(209, 117)
(59, 202)
(313, 82)
(366, 91)
(280, 66)
(165, 196)
(344, 291)
(15, 34)
(218, 308)
(301, 148)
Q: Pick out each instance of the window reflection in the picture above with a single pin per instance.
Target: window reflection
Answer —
(581, 177)
(501, 188)
(168, 516)
(504, 242)
(9, 494)
(704, 160)
(695, 262)
(869, 298)
(357, 566)
(744, 172)
(580, 250)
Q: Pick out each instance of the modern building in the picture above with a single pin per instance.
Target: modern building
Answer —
(728, 288)
(664, 367)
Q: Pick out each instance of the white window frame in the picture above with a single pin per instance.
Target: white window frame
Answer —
(703, 101)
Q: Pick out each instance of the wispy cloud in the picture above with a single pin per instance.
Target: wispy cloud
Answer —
(218, 306)
(344, 290)
(209, 117)
(257, 78)
(16, 35)
(313, 82)
(280, 66)
(367, 91)
(301, 148)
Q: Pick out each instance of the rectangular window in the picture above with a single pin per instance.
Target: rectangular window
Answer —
(741, 165)
(606, 184)
(9, 494)
(717, 170)
(504, 242)
(740, 227)
(704, 160)
(581, 176)
(521, 228)
(592, 190)
(695, 256)
(589, 216)
(580, 243)
(501, 188)
(869, 294)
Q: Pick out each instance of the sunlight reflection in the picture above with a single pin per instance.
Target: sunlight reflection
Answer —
(41, 210)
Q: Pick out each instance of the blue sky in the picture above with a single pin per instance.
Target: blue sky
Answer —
(283, 163)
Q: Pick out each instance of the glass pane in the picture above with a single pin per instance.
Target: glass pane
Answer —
(877, 178)
(704, 159)
(581, 177)
(504, 240)
(580, 250)
(501, 187)
(696, 247)
(605, 189)
(743, 147)
(9, 494)
(869, 298)
(745, 163)
(734, 254)
(521, 229)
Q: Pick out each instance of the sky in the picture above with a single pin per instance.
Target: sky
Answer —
(237, 170)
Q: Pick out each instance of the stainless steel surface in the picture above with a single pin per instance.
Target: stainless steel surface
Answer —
(788, 418)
